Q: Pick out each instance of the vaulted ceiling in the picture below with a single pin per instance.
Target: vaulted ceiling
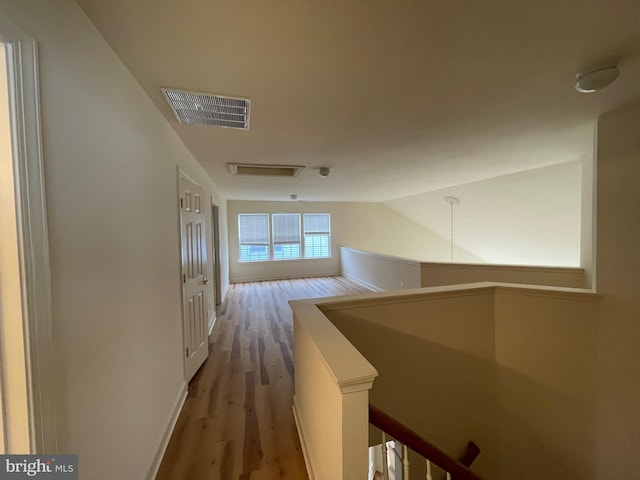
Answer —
(397, 97)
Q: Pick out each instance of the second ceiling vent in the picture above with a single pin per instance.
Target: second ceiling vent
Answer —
(193, 108)
(264, 170)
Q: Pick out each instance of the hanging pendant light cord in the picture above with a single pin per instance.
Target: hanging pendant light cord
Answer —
(452, 201)
(451, 236)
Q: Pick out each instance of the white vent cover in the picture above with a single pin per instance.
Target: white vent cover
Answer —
(264, 170)
(192, 108)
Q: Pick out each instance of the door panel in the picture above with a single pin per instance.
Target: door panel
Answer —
(194, 267)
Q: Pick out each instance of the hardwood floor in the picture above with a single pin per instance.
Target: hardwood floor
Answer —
(237, 422)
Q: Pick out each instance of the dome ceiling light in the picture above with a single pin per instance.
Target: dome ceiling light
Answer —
(324, 172)
(596, 78)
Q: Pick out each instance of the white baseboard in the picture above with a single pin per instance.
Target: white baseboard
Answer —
(212, 321)
(258, 278)
(225, 291)
(303, 443)
(359, 281)
(155, 466)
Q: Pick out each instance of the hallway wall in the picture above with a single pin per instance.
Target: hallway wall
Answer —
(111, 177)
(618, 281)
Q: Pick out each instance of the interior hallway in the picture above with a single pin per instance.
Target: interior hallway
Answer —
(237, 421)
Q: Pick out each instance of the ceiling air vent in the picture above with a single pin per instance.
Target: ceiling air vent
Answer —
(192, 108)
(264, 170)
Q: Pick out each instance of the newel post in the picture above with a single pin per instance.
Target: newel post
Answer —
(331, 401)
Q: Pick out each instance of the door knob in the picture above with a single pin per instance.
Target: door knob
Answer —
(205, 281)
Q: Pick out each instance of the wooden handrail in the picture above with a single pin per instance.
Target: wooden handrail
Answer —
(402, 433)
(470, 454)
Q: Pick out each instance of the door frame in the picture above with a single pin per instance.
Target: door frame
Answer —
(40, 369)
(215, 238)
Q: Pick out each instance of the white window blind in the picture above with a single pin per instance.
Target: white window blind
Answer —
(253, 230)
(317, 235)
(286, 236)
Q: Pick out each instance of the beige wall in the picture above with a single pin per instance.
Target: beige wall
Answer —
(384, 272)
(510, 368)
(379, 272)
(434, 354)
(546, 384)
(366, 226)
(527, 218)
(618, 280)
(433, 274)
(111, 177)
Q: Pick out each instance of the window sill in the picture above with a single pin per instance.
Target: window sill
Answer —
(285, 260)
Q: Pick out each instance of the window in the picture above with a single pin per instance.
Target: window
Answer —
(253, 230)
(286, 236)
(317, 235)
(292, 236)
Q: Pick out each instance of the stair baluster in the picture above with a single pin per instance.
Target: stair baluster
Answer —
(385, 458)
(405, 463)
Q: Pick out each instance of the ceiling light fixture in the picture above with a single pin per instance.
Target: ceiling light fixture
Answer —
(324, 172)
(596, 78)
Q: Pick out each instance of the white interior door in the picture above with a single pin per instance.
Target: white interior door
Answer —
(194, 276)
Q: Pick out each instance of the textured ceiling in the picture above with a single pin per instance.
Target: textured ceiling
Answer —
(398, 97)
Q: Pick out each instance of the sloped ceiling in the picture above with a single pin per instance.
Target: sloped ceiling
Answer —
(397, 97)
(527, 218)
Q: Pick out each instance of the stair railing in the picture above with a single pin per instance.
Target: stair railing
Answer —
(456, 469)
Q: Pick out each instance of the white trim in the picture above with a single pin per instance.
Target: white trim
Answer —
(303, 442)
(474, 266)
(212, 321)
(383, 255)
(164, 442)
(328, 304)
(216, 273)
(361, 282)
(182, 171)
(354, 385)
(280, 260)
(33, 236)
(224, 293)
(508, 268)
(183, 338)
(258, 278)
(350, 370)
(566, 293)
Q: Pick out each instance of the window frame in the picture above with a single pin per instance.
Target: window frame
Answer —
(317, 234)
(273, 240)
(241, 244)
(271, 255)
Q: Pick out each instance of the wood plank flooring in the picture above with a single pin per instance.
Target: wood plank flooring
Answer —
(237, 422)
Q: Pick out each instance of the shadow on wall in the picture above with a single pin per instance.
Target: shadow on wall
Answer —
(524, 428)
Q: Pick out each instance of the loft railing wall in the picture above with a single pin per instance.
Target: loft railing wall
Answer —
(510, 367)
(382, 272)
